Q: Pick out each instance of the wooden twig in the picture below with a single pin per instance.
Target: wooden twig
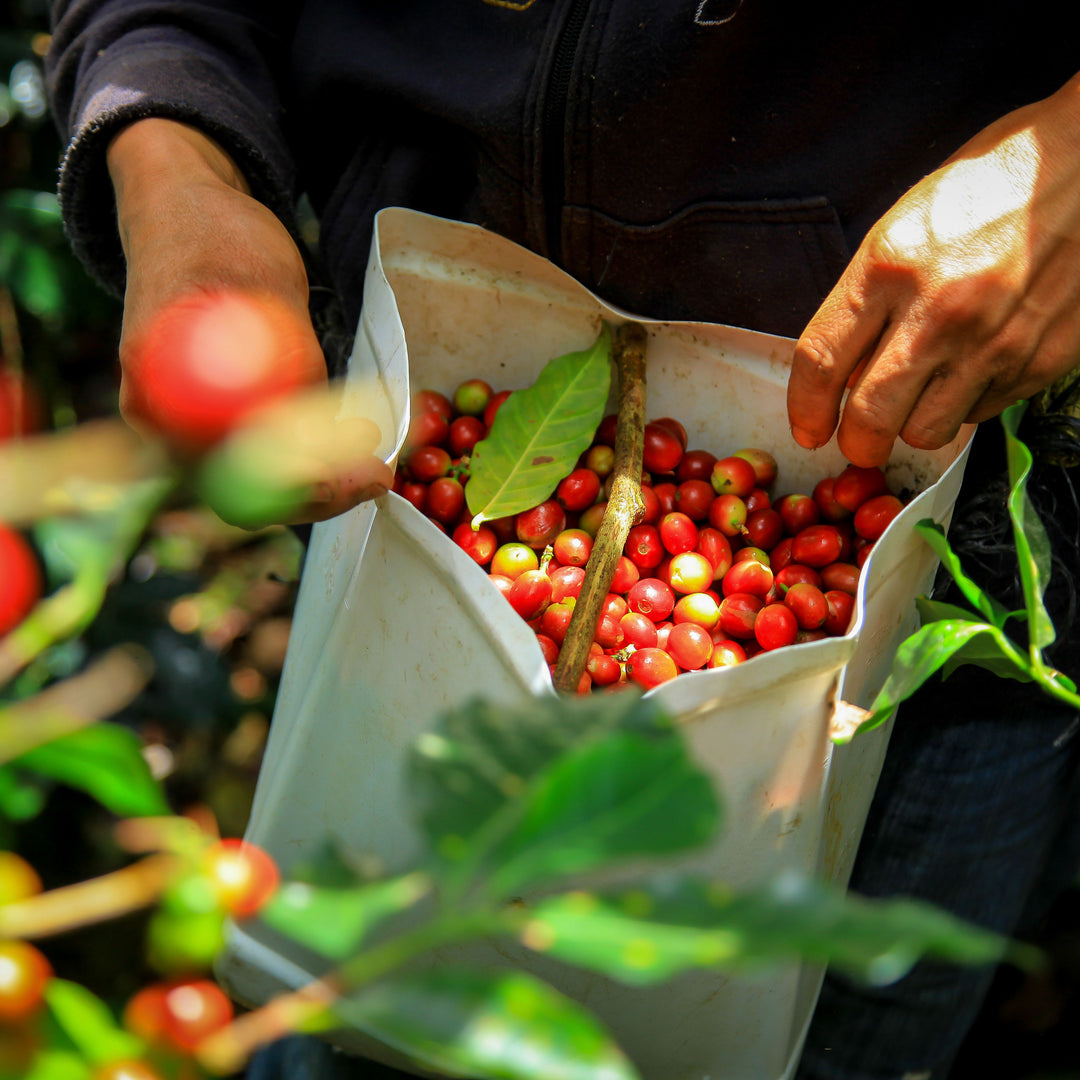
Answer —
(104, 688)
(87, 902)
(624, 508)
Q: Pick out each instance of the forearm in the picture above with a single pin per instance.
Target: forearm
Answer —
(215, 67)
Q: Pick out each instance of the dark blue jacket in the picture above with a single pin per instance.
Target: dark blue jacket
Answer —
(705, 159)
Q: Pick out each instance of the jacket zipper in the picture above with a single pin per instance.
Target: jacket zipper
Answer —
(554, 124)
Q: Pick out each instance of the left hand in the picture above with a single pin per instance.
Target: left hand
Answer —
(963, 298)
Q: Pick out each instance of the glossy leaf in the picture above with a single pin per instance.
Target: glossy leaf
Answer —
(539, 433)
(87, 1021)
(938, 611)
(483, 755)
(675, 924)
(1032, 543)
(105, 761)
(334, 921)
(509, 1026)
(994, 613)
(980, 651)
(925, 652)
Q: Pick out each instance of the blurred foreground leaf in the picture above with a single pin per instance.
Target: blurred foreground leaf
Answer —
(335, 921)
(509, 1026)
(673, 924)
(619, 798)
(106, 762)
(88, 1023)
(269, 469)
(556, 786)
(57, 1064)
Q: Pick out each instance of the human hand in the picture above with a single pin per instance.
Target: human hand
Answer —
(963, 298)
(192, 235)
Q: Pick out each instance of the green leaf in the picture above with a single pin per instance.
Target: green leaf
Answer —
(37, 209)
(104, 760)
(623, 797)
(985, 652)
(35, 280)
(334, 921)
(980, 651)
(52, 1064)
(539, 433)
(994, 612)
(674, 924)
(511, 1027)
(615, 937)
(482, 755)
(927, 650)
(328, 867)
(938, 611)
(555, 787)
(20, 798)
(89, 1024)
(1032, 543)
(96, 544)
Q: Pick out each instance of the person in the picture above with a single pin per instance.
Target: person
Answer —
(897, 189)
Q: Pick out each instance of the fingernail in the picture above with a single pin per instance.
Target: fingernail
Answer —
(804, 438)
(373, 491)
(321, 493)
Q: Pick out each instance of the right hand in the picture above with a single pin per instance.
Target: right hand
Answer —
(189, 226)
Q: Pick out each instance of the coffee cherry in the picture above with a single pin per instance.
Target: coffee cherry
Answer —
(775, 627)
(24, 971)
(21, 584)
(651, 667)
(856, 484)
(472, 397)
(210, 360)
(733, 476)
(244, 876)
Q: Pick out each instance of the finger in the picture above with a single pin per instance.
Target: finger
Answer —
(1049, 322)
(368, 478)
(880, 402)
(941, 410)
(1057, 353)
(836, 340)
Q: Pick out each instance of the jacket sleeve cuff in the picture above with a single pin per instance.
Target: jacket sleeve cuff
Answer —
(173, 84)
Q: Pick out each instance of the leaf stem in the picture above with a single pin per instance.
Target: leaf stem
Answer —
(104, 688)
(624, 508)
(85, 903)
(226, 1051)
(69, 610)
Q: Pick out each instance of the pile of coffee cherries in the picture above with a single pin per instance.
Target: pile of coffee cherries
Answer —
(716, 571)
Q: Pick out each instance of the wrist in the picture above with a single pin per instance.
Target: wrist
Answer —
(161, 167)
(149, 159)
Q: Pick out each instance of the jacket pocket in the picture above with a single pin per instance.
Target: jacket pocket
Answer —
(763, 265)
